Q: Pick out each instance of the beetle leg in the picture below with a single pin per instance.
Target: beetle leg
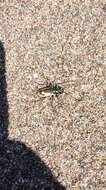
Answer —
(42, 104)
(48, 83)
(51, 98)
(40, 99)
(57, 95)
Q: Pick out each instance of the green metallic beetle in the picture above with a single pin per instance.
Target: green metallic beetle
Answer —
(51, 90)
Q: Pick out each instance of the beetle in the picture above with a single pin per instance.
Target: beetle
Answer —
(51, 90)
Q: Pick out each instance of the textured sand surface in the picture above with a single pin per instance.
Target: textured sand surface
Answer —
(59, 41)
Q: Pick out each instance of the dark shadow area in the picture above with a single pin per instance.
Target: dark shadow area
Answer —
(3, 97)
(20, 167)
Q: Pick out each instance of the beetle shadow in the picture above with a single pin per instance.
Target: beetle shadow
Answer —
(20, 167)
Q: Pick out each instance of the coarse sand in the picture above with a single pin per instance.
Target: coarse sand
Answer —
(61, 42)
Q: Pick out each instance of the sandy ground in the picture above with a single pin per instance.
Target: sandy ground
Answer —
(59, 41)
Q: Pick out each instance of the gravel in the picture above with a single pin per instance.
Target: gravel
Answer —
(61, 42)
